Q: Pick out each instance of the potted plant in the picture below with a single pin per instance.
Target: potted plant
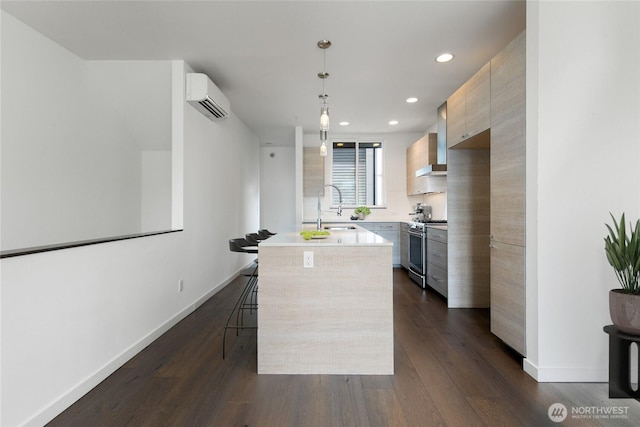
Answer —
(362, 211)
(622, 247)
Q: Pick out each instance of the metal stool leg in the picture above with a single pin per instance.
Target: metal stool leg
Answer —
(237, 308)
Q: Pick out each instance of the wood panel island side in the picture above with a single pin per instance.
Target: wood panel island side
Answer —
(333, 318)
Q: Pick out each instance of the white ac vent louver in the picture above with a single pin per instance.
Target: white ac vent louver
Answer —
(205, 96)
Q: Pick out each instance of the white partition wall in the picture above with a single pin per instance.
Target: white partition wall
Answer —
(583, 151)
(69, 318)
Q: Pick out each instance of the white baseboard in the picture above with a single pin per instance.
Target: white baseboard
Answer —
(565, 375)
(70, 397)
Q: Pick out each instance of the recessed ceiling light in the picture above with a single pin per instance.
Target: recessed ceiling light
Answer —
(344, 123)
(393, 122)
(412, 100)
(445, 57)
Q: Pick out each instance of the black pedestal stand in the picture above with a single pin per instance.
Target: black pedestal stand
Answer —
(619, 377)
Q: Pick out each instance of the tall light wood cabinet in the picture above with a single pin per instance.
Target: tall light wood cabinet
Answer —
(468, 109)
(468, 157)
(507, 194)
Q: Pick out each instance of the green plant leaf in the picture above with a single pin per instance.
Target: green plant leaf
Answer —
(622, 250)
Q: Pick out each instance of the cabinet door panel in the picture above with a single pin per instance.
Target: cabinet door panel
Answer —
(411, 169)
(437, 234)
(437, 253)
(508, 185)
(508, 80)
(313, 171)
(437, 279)
(418, 157)
(391, 226)
(420, 161)
(456, 126)
(478, 108)
(508, 144)
(508, 294)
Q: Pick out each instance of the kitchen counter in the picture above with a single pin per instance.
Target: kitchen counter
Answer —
(358, 237)
(332, 316)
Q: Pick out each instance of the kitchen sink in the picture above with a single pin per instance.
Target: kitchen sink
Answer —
(339, 227)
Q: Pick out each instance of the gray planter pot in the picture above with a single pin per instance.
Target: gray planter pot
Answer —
(624, 310)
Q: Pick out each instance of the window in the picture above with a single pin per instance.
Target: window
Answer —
(357, 172)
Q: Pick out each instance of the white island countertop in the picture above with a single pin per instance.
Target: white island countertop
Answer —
(351, 237)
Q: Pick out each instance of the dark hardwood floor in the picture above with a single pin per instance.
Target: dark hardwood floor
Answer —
(449, 370)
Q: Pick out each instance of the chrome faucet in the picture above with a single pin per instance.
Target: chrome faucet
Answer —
(339, 213)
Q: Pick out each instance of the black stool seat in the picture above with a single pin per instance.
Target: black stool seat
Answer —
(265, 234)
(242, 245)
(253, 238)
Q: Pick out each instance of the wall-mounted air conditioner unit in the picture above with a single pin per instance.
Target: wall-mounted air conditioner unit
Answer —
(205, 96)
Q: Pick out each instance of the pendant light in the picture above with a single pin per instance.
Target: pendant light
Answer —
(324, 109)
(323, 149)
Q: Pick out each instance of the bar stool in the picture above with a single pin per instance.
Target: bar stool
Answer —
(253, 238)
(243, 246)
(265, 234)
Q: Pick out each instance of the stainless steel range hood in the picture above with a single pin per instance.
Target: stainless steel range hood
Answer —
(438, 153)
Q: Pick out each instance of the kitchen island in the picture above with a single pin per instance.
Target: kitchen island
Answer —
(326, 305)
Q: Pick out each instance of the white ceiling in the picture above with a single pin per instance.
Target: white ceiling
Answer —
(263, 54)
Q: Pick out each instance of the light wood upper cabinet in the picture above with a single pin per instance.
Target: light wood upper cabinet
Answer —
(412, 166)
(420, 154)
(456, 120)
(468, 109)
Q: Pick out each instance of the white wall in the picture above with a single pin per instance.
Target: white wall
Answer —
(277, 189)
(155, 189)
(397, 203)
(586, 115)
(71, 317)
(72, 137)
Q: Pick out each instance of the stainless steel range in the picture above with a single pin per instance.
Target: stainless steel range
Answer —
(418, 245)
(417, 251)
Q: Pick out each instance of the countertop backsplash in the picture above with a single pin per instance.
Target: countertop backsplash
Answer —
(398, 209)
